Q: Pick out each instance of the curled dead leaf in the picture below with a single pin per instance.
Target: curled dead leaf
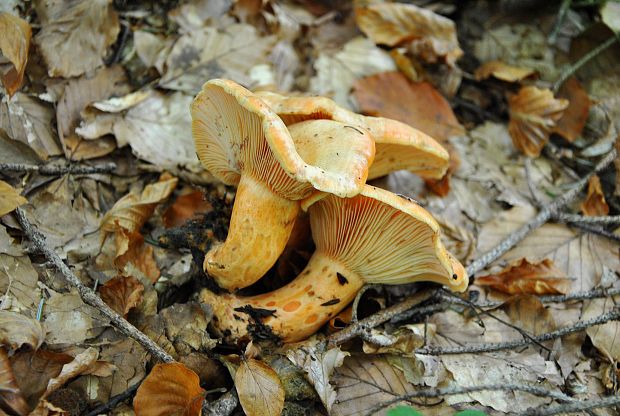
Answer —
(12, 397)
(81, 364)
(427, 34)
(595, 203)
(17, 330)
(14, 45)
(260, 389)
(9, 198)
(130, 248)
(122, 293)
(503, 71)
(170, 389)
(534, 113)
(575, 116)
(524, 277)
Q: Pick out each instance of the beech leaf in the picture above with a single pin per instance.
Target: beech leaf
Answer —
(260, 389)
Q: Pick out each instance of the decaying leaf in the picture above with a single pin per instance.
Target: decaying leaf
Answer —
(18, 283)
(14, 45)
(122, 293)
(132, 210)
(576, 114)
(319, 367)
(533, 115)
(428, 34)
(169, 389)
(74, 35)
(12, 397)
(152, 49)
(529, 314)
(131, 248)
(336, 73)
(525, 277)
(17, 330)
(82, 363)
(185, 207)
(215, 53)
(186, 327)
(259, 388)
(595, 203)
(604, 337)
(403, 341)
(9, 198)
(503, 71)
(29, 121)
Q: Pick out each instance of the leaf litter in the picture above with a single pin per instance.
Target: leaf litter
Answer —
(107, 81)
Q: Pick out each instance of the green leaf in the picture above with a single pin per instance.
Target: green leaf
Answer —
(403, 411)
(470, 413)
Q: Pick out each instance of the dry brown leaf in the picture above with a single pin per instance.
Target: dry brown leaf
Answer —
(595, 203)
(122, 293)
(604, 337)
(81, 364)
(529, 314)
(428, 34)
(19, 282)
(130, 248)
(319, 367)
(186, 327)
(170, 389)
(11, 394)
(134, 209)
(75, 35)
(9, 198)
(29, 121)
(503, 71)
(525, 277)
(14, 45)
(17, 330)
(533, 115)
(184, 208)
(260, 389)
(576, 114)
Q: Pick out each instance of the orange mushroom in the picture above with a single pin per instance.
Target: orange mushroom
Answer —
(241, 141)
(398, 145)
(374, 237)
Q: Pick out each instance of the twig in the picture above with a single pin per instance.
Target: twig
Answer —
(584, 219)
(114, 401)
(223, 406)
(577, 296)
(568, 72)
(559, 20)
(490, 347)
(447, 391)
(543, 216)
(595, 230)
(58, 170)
(87, 295)
(573, 407)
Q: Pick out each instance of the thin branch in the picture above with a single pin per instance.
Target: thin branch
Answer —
(594, 229)
(573, 407)
(546, 213)
(114, 401)
(448, 391)
(577, 296)
(223, 406)
(596, 220)
(564, 7)
(87, 294)
(490, 347)
(57, 169)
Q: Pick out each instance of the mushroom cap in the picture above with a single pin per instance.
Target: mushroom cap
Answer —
(399, 146)
(236, 133)
(384, 238)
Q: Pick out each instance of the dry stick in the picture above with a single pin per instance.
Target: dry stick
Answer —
(573, 407)
(57, 170)
(221, 407)
(86, 293)
(583, 219)
(499, 346)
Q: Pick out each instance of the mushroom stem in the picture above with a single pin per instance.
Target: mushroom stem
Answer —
(260, 226)
(298, 309)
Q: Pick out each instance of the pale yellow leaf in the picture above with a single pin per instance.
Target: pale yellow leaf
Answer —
(17, 330)
(14, 45)
(260, 389)
(9, 198)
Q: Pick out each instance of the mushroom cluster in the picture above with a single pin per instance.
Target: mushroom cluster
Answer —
(292, 154)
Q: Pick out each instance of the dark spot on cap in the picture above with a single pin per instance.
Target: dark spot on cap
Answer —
(341, 279)
(454, 276)
(331, 302)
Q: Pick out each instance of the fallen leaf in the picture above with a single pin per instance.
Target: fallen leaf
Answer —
(14, 45)
(9, 246)
(419, 104)
(604, 337)
(132, 210)
(427, 34)
(122, 293)
(215, 53)
(365, 382)
(12, 397)
(9, 198)
(259, 388)
(581, 256)
(318, 368)
(337, 72)
(403, 341)
(529, 314)
(131, 248)
(595, 204)
(29, 121)
(185, 207)
(525, 277)
(169, 389)
(574, 118)
(503, 71)
(17, 330)
(152, 49)
(82, 363)
(186, 327)
(533, 115)
(75, 35)
(610, 15)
